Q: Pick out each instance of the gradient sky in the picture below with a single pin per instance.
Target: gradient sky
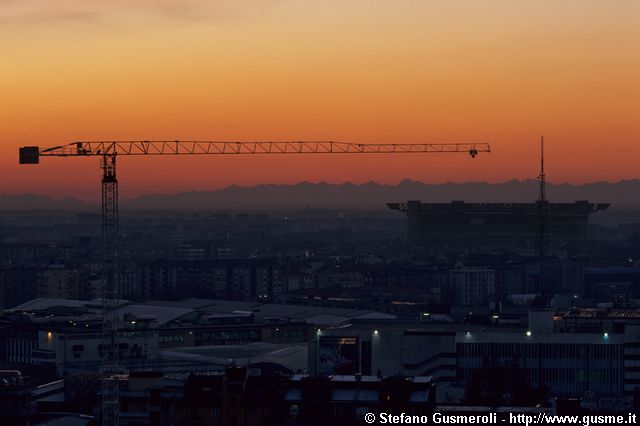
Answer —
(501, 71)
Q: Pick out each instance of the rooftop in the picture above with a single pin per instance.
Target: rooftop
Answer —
(310, 314)
(290, 356)
(189, 310)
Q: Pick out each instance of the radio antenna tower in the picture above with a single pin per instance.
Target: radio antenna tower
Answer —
(542, 205)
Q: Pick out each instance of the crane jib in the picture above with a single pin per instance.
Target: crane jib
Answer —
(32, 154)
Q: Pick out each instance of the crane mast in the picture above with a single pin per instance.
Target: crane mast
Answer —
(110, 386)
(108, 151)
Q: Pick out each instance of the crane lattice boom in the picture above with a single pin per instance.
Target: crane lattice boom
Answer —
(81, 149)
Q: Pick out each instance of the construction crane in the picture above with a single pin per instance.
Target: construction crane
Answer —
(109, 151)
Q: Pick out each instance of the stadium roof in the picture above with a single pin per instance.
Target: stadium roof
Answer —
(312, 314)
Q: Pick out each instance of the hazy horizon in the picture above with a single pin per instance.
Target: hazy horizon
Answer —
(346, 195)
(95, 198)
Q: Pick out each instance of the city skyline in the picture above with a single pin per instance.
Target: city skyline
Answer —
(301, 212)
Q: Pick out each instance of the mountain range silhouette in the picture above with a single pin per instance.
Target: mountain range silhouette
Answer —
(622, 195)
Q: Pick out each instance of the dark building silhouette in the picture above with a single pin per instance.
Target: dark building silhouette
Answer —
(494, 221)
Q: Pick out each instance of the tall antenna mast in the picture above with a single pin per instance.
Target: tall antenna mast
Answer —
(541, 177)
(542, 206)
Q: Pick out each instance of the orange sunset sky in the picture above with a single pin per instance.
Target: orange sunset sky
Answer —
(501, 71)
